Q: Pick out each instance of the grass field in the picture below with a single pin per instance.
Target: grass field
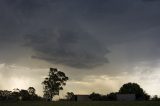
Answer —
(80, 104)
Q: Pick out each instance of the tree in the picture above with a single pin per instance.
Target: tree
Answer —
(16, 94)
(155, 98)
(5, 95)
(95, 96)
(54, 83)
(112, 96)
(133, 88)
(24, 95)
(70, 95)
(31, 91)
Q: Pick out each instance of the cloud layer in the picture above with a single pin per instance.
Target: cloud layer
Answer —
(77, 33)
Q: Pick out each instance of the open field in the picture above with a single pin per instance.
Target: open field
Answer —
(80, 104)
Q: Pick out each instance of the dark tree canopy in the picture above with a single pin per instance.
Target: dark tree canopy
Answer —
(69, 95)
(98, 97)
(54, 83)
(17, 94)
(95, 96)
(112, 96)
(31, 90)
(134, 88)
(24, 94)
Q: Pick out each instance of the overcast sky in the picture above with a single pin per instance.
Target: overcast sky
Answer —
(103, 43)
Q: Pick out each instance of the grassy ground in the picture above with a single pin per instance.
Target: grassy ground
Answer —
(80, 104)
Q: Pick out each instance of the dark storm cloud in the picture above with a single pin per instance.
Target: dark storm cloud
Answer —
(69, 47)
(75, 32)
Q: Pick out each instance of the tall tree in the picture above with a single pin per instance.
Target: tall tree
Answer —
(54, 83)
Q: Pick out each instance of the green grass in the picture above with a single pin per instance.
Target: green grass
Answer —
(79, 103)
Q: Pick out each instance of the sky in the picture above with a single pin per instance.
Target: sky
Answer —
(99, 44)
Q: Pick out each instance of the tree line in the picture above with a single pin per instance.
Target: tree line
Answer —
(129, 88)
(56, 80)
(16, 94)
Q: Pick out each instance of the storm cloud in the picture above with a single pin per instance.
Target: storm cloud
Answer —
(80, 33)
(69, 47)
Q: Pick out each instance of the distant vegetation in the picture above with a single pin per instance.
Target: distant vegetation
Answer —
(52, 85)
(55, 81)
(133, 88)
(16, 94)
(129, 88)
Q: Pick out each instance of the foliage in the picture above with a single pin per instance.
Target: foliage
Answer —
(70, 95)
(98, 97)
(54, 83)
(17, 95)
(24, 95)
(133, 88)
(129, 88)
(112, 96)
(155, 98)
(31, 90)
(5, 95)
(32, 93)
(95, 96)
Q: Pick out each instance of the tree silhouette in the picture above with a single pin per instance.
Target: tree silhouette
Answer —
(155, 98)
(5, 95)
(54, 83)
(24, 95)
(95, 96)
(70, 95)
(31, 91)
(112, 96)
(16, 94)
(133, 88)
